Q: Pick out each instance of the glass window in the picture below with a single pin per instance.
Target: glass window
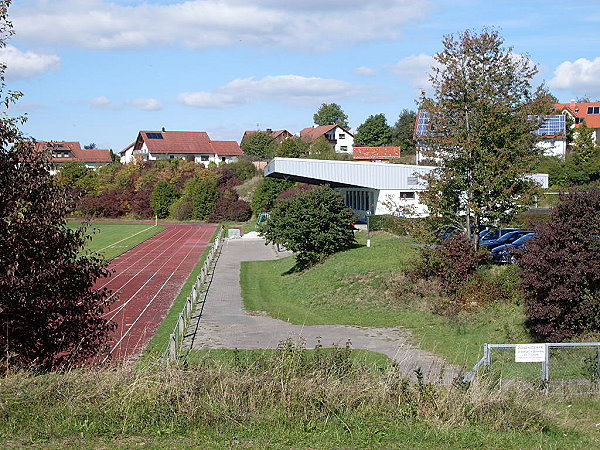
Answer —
(342, 136)
(203, 157)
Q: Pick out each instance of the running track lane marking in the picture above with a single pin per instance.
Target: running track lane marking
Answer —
(124, 239)
(197, 243)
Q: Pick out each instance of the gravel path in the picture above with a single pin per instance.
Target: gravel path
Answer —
(225, 324)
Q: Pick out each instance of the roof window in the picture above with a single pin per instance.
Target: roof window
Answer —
(593, 110)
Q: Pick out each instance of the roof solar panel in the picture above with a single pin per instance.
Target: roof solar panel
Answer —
(552, 126)
(154, 135)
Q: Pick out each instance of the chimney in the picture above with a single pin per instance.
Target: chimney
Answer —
(269, 130)
(163, 129)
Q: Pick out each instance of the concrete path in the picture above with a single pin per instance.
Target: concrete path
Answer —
(225, 324)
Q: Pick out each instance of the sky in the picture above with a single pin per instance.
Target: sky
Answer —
(102, 70)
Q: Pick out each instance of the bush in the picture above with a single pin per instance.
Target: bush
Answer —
(266, 193)
(561, 269)
(182, 209)
(163, 196)
(452, 262)
(110, 204)
(314, 224)
(202, 194)
(400, 226)
(231, 209)
(243, 169)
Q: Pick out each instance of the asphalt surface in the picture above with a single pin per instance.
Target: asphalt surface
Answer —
(225, 324)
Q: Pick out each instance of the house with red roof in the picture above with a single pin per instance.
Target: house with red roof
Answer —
(340, 138)
(64, 151)
(190, 145)
(278, 135)
(583, 112)
(376, 154)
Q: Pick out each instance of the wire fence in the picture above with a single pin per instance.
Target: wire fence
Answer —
(177, 336)
(554, 367)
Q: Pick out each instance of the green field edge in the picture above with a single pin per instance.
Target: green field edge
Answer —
(156, 231)
(159, 342)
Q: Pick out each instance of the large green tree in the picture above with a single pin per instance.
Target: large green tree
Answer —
(403, 130)
(330, 114)
(374, 132)
(292, 148)
(321, 149)
(259, 145)
(480, 132)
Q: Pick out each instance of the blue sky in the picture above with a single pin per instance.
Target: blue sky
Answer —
(101, 70)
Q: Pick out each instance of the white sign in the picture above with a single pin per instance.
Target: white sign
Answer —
(530, 352)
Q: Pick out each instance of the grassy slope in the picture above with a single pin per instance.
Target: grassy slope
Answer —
(113, 239)
(354, 287)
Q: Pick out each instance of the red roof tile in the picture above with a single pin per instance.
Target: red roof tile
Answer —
(313, 133)
(226, 148)
(580, 110)
(376, 152)
(76, 153)
(187, 142)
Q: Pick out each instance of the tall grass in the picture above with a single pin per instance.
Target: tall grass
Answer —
(286, 393)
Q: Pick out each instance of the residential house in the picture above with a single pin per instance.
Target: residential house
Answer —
(551, 132)
(376, 188)
(376, 154)
(70, 151)
(278, 135)
(190, 145)
(341, 139)
(582, 112)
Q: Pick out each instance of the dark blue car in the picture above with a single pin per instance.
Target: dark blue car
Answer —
(503, 254)
(507, 238)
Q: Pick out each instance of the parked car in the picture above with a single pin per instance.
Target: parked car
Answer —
(507, 238)
(503, 254)
(495, 233)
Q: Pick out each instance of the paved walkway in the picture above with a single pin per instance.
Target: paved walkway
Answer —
(225, 324)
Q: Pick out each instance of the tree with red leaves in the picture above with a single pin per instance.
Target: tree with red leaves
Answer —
(50, 314)
(561, 269)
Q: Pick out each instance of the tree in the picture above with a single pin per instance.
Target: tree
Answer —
(560, 269)
(330, 114)
(374, 132)
(90, 146)
(480, 132)
(50, 315)
(583, 143)
(321, 149)
(266, 193)
(162, 198)
(260, 145)
(403, 130)
(314, 224)
(71, 172)
(292, 148)
(199, 197)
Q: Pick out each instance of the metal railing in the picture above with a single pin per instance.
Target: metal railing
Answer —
(177, 336)
(567, 367)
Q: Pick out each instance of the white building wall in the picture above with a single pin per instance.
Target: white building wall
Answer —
(343, 139)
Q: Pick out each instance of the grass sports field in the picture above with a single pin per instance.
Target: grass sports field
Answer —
(112, 239)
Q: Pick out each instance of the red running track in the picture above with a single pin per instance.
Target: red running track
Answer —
(147, 279)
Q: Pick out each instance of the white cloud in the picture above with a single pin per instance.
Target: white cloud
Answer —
(20, 65)
(294, 89)
(314, 25)
(415, 70)
(146, 104)
(101, 102)
(581, 77)
(365, 71)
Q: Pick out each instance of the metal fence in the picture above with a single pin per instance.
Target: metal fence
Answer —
(178, 334)
(556, 367)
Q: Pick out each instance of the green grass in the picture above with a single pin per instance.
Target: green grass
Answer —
(357, 287)
(158, 344)
(112, 239)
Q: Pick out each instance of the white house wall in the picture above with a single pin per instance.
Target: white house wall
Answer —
(346, 141)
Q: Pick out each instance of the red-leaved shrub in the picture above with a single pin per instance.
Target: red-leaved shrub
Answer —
(560, 269)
